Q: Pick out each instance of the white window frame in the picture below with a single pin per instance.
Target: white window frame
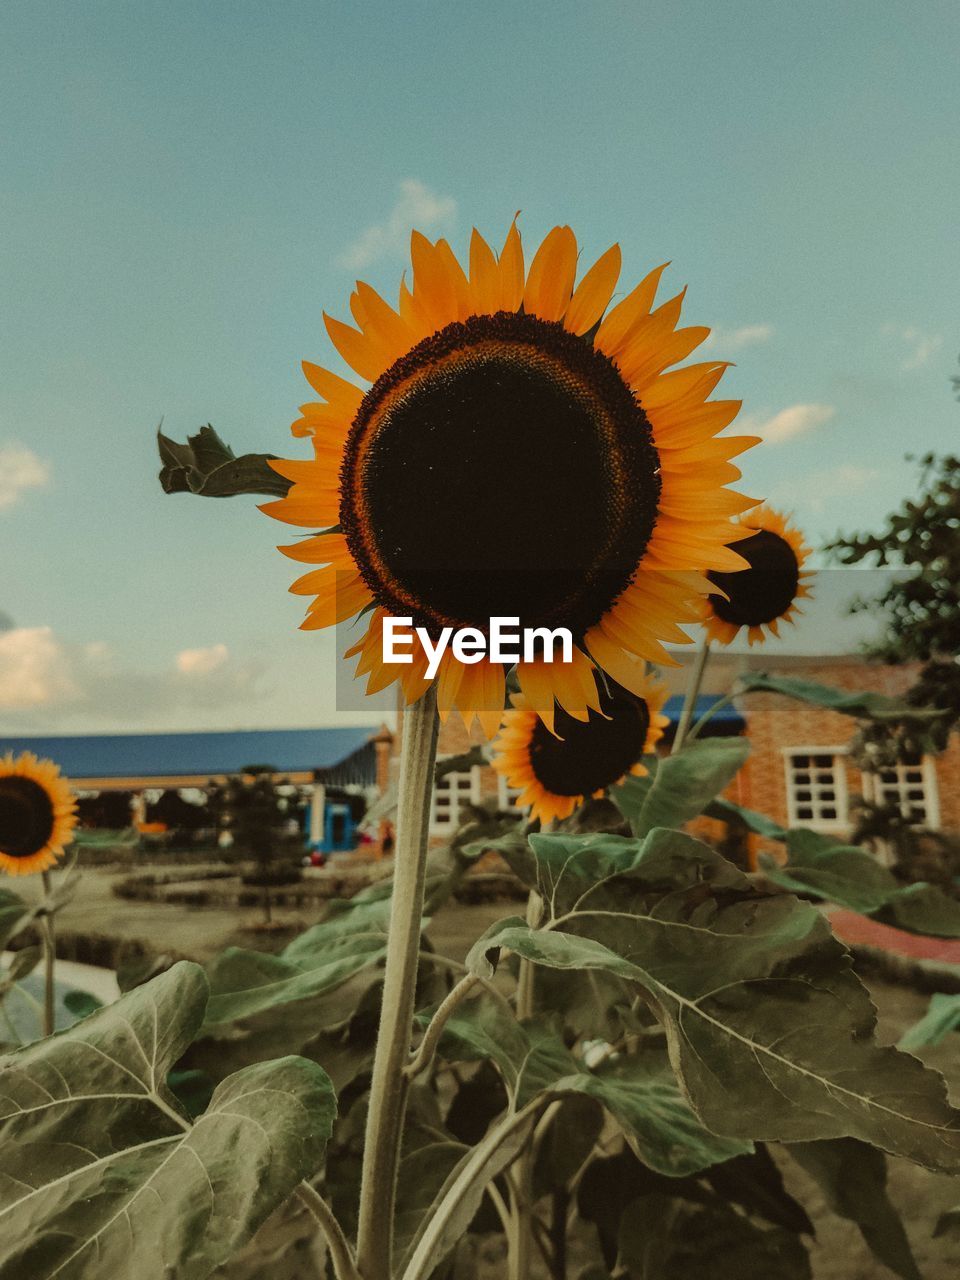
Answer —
(445, 828)
(841, 788)
(874, 789)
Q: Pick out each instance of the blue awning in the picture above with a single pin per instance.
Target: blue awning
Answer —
(727, 720)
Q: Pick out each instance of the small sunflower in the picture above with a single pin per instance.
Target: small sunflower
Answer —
(766, 594)
(37, 814)
(522, 452)
(558, 770)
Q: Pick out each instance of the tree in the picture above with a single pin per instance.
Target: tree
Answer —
(255, 809)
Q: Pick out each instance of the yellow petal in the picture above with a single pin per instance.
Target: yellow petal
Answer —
(552, 272)
(592, 295)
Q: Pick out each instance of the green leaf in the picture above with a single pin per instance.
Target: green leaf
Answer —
(683, 785)
(942, 1017)
(657, 1122)
(567, 1143)
(848, 875)
(99, 1167)
(81, 1003)
(422, 1175)
(769, 1029)
(245, 983)
(864, 706)
(853, 878)
(853, 1177)
(638, 1091)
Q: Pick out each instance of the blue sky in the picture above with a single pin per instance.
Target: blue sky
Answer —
(186, 187)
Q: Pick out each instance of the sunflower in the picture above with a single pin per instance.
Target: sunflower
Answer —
(521, 452)
(766, 594)
(37, 814)
(557, 771)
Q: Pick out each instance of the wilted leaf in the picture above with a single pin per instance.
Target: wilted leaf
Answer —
(683, 785)
(205, 465)
(770, 1030)
(99, 1166)
(853, 1177)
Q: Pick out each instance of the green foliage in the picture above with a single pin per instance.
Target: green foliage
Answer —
(863, 706)
(100, 1168)
(770, 1032)
(685, 1016)
(846, 874)
(681, 785)
(942, 1017)
(920, 605)
(209, 468)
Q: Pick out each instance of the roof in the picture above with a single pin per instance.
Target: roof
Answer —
(727, 720)
(202, 755)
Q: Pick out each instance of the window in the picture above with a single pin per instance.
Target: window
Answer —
(911, 785)
(450, 795)
(817, 787)
(507, 795)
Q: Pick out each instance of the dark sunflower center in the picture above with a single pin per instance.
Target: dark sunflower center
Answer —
(592, 754)
(501, 468)
(763, 592)
(26, 817)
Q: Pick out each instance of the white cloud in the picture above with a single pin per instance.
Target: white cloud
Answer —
(20, 469)
(416, 206)
(748, 335)
(45, 681)
(201, 662)
(921, 346)
(795, 420)
(32, 673)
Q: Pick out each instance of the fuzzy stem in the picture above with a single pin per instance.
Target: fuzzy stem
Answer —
(423, 1058)
(49, 959)
(344, 1266)
(690, 699)
(522, 1186)
(388, 1086)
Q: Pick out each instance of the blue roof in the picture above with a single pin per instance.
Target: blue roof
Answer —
(156, 755)
(727, 716)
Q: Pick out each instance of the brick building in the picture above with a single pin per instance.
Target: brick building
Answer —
(799, 772)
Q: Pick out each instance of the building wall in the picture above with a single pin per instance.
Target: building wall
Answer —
(774, 724)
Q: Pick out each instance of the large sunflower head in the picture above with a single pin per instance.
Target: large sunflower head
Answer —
(556, 771)
(766, 594)
(37, 814)
(518, 450)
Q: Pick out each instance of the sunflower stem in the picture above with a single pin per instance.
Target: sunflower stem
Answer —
(521, 1186)
(690, 698)
(49, 957)
(389, 1083)
(725, 701)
